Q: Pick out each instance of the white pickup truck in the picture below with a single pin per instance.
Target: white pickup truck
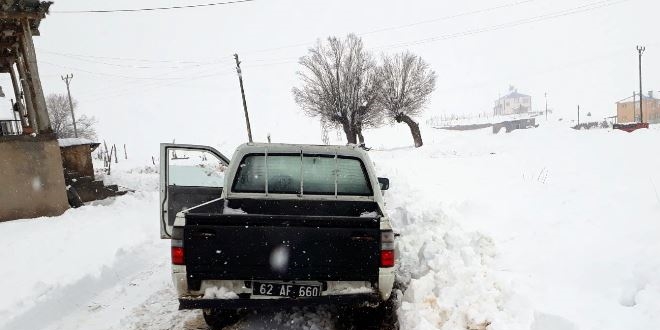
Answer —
(279, 225)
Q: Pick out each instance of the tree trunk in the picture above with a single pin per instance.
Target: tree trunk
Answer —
(351, 137)
(414, 128)
(360, 137)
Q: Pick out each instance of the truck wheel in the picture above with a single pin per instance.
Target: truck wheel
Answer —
(219, 318)
(381, 317)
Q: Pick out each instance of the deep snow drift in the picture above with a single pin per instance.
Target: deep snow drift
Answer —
(537, 229)
(570, 217)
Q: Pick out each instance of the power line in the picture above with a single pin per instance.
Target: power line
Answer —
(176, 80)
(142, 82)
(158, 81)
(156, 84)
(158, 77)
(449, 17)
(398, 27)
(150, 85)
(462, 14)
(131, 66)
(133, 59)
(566, 12)
(94, 11)
(109, 74)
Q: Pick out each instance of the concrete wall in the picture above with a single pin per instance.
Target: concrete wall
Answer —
(31, 178)
(651, 111)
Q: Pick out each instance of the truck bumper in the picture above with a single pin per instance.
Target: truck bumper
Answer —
(264, 304)
(386, 283)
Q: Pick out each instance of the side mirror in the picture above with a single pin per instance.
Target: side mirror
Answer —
(384, 183)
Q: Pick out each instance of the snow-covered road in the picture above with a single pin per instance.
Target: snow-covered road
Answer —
(540, 229)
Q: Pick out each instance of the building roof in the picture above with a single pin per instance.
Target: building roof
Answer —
(11, 13)
(630, 98)
(70, 142)
(513, 95)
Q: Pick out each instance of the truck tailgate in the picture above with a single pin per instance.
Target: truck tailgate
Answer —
(280, 247)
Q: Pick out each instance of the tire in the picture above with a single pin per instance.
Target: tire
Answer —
(218, 319)
(380, 317)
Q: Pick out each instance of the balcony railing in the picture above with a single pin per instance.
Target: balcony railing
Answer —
(10, 127)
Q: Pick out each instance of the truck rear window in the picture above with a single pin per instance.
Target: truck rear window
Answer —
(319, 175)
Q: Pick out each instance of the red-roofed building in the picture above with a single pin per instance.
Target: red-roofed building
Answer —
(627, 110)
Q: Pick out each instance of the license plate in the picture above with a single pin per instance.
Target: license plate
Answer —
(285, 290)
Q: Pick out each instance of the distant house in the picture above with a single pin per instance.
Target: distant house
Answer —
(627, 110)
(513, 103)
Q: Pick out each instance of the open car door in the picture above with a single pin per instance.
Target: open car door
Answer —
(189, 175)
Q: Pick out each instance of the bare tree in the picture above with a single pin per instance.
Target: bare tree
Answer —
(60, 118)
(408, 82)
(340, 85)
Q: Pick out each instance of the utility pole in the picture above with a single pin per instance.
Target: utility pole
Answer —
(634, 107)
(67, 80)
(546, 106)
(640, 50)
(240, 80)
(578, 115)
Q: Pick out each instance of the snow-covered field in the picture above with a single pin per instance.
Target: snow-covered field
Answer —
(544, 229)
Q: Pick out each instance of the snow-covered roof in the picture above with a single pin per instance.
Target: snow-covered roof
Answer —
(630, 98)
(514, 94)
(68, 142)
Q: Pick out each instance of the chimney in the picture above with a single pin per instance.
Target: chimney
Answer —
(651, 94)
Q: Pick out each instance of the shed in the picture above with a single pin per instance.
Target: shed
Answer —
(79, 172)
(77, 156)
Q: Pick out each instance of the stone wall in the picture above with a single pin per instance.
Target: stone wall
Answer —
(31, 178)
(78, 158)
(513, 125)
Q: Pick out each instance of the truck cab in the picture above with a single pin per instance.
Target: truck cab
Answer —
(277, 225)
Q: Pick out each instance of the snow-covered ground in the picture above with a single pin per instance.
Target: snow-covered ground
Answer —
(543, 229)
(548, 228)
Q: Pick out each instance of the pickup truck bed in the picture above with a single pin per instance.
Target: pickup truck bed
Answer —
(312, 247)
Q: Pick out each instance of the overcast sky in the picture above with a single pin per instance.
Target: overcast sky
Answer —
(184, 86)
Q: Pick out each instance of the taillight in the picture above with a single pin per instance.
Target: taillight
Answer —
(178, 256)
(386, 258)
(387, 249)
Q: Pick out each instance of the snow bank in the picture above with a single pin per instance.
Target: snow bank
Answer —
(46, 255)
(449, 274)
(548, 228)
(131, 174)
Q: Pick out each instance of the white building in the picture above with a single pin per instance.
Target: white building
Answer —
(513, 103)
